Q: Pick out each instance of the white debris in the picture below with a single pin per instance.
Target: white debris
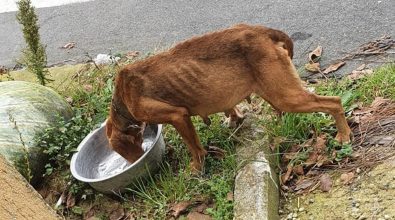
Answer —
(102, 59)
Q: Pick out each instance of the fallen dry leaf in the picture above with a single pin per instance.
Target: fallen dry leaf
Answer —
(69, 100)
(318, 152)
(359, 74)
(286, 175)
(3, 70)
(117, 214)
(229, 196)
(88, 88)
(91, 212)
(216, 152)
(361, 67)
(179, 208)
(298, 170)
(68, 46)
(70, 201)
(315, 54)
(323, 160)
(325, 182)
(276, 142)
(201, 208)
(132, 54)
(347, 178)
(333, 67)
(303, 184)
(312, 67)
(198, 216)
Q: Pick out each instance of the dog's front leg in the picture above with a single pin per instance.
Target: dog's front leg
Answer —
(153, 111)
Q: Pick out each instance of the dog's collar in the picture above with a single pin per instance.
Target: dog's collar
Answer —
(125, 121)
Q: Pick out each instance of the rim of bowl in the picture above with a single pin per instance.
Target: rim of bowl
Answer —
(89, 180)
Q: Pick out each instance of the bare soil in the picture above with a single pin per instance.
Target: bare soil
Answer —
(18, 199)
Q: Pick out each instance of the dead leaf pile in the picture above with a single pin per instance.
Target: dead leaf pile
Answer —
(374, 122)
(375, 47)
(296, 166)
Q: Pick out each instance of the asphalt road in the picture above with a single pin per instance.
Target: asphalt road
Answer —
(145, 25)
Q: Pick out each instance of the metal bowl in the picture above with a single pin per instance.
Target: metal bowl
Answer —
(105, 170)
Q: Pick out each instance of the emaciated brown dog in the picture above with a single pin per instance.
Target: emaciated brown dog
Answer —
(205, 75)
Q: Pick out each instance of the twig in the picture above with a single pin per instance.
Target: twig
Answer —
(91, 60)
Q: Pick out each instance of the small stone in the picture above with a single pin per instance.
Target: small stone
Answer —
(358, 170)
(301, 209)
(387, 217)
(357, 204)
(280, 211)
(311, 200)
(295, 215)
(362, 217)
(289, 216)
(355, 215)
(355, 210)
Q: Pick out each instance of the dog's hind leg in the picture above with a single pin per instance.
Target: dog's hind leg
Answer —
(235, 117)
(153, 111)
(308, 102)
(280, 85)
(290, 96)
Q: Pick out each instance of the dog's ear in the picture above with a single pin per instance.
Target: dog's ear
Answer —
(283, 47)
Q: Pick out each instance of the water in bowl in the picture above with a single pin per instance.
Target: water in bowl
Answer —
(115, 163)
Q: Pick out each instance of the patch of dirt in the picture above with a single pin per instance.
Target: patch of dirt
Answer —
(370, 196)
(18, 199)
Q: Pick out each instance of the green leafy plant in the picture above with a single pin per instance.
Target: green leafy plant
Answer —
(342, 150)
(35, 57)
(61, 140)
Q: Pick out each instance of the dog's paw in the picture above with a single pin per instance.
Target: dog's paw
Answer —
(197, 169)
(344, 138)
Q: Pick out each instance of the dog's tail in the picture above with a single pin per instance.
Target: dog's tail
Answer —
(282, 39)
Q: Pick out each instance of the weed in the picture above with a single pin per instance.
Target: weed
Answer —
(35, 56)
(342, 150)
(23, 163)
(381, 83)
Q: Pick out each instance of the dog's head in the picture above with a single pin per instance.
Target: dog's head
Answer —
(127, 141)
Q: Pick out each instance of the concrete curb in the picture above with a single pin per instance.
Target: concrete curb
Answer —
(256, 194)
